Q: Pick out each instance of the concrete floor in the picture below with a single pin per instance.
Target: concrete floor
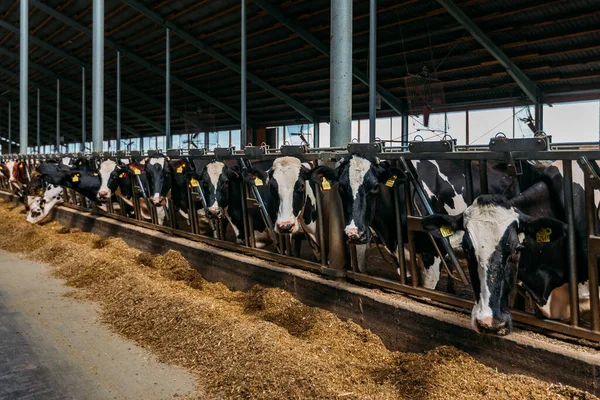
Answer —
(52, 347)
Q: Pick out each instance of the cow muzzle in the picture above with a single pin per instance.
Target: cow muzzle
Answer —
(285, 227)
(214, 212)
(354, 236)
(492, 326)
(158, 201)
(103, 195)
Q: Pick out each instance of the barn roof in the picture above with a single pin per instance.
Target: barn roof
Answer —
(554, 42)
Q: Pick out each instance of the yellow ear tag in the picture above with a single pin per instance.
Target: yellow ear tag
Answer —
(1, 168)
(446, 231)
(137, 172)
(390, 182)
(325, 184)
(180, 169)
(258, 181)
(122, 175)
(543, 235)
(94, 174)
(75, 178)
(194, 182)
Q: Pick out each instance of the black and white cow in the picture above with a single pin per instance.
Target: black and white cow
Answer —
(222, 186)
(159, 179)
(292, 202)
(522, 241)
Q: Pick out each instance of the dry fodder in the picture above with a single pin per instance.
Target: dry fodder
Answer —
(258, 344)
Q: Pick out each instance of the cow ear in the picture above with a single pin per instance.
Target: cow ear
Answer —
(442, 225)
(305, 173)
(391, 176)
(254, 176)
(322, 172)
(232, 173)
(543, 230)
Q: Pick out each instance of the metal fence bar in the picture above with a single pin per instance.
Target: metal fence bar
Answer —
(572, 260)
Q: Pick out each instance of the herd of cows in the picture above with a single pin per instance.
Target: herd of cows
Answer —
(508, 239)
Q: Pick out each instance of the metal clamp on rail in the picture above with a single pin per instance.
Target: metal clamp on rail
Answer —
(504, 144)
(365, 148)
(221, 152)
(440, 146)
(293, 150)
(254, 151)
(197, 152)
(135, 153)
(173, 153)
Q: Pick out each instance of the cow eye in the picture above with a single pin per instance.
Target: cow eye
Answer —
(375, 189)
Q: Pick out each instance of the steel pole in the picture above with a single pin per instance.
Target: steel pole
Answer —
(38, 142)
(372, 69)
(341, 73)
(539, 117)
(243, 74)
(24, 76)
(83, 138)
(405, 129)
(98, 75)
(58, 115)
(168, 91)
(118, 100)
(9, 128)
(317, 133)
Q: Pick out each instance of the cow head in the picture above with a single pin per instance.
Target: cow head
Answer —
(216, 178)
(496, 233)
(361, 178)
(86, 182)
(15, 171)
(158, 178)
(287, 181)
(109, 179)
(40, 207)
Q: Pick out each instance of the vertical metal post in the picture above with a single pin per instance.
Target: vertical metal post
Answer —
(57, 116)
(400, 248)
(317, 132)
(168, 91)
(83, 110)
(341, 73)
(24, 76)
(118, 100)
(9, 128)
(467, 127)
(243, 66)
(405, 129)
(468, 182)
(568, 192)
(98, 75)
(372, 69)
(483, 177)
(38, 122)
(592, 253)
(539, 117)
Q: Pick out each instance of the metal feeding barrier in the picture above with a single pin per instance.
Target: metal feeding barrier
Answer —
(410, 200)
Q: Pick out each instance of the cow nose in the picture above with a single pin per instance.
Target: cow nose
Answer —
(355, 236)
(214, 212)
(285, 227)
(486, 322)
(157, 200)
(491, 325)
(103, 195)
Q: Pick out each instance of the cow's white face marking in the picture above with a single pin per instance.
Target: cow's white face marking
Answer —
(357, 170)
(66, 161)
(124, 161)
(157, 160)
(486, 225)
(51, 197)
(286, 171)
(10, 166)
(214, 171)
(106, 169)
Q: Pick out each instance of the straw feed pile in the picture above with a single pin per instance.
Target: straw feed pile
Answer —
(261, 344)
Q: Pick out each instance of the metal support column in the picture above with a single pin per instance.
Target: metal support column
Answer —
(341, 73)
(404, 129)
(37, 138)
(539, 117)
(243, 73)
(98, 75)
(372, 69)
(118, 100)
(168, 139)
(83, 110)
(9, 128)
(572, 264)
(317, 131)
(58, 116)
(24, 77)
(467, 128)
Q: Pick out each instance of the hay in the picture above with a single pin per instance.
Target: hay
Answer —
(257, 344)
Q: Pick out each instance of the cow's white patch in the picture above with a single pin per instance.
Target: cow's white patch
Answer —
(286, 171)
(157, 160)
(184, 214)
(459, 201)
(558, 305)
(106, 169)
(124, 161)
(10, 166)
(214, 171)
(428, 191)
(486, 225)
(66, 161)
(431, 275)
(357, 170)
